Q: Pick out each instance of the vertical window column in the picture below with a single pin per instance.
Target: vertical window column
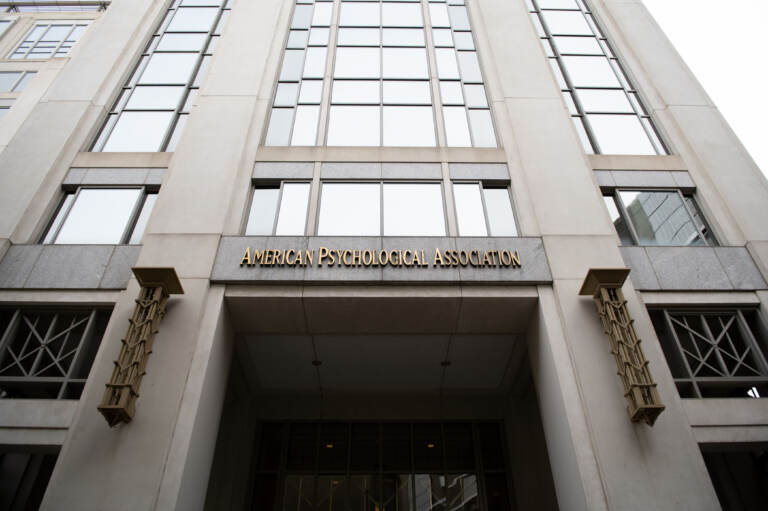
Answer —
(296, 108)
(150, 113)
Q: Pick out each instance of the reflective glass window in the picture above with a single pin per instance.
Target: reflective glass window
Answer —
(413, 209)
(350, 209)
(50, 39)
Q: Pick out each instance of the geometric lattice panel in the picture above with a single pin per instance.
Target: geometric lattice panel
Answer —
(47, 354)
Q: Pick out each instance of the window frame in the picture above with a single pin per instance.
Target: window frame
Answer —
(706, 234)
(73, 23)
(70, 198)
(381, 183)
(280, 187)
(483, 185)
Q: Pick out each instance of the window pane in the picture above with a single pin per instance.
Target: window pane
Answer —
(620, 134)
(322, 15)
(297, 39)
(618, 222)
(261, 218)
(293, 64)
(442, 37)
(456, 126)
(319, 36)
(483, 134)
(582, 45)
(438, 13)
(60, 216)
(405, 93)
(139, 131)
(602, 100)
(557, 4)
(470, 67)
(401, 15)
(405, 63)
(155, 98)
(141, 222)
(660, 218)
(355, 92)
(302, 15)
(500, 216)
(311, 91)
(469, 209)
(354, 126)
(450, 92)
(464, 40)
(8, 80)
(566, 22)
(459, 18)
(292, 219)
(403, 37)
(357, 63)
(280, 124)
(409, 126)
(182, 42)
(350, 209)
(99, 216)
(590, 72)
(447, 68)
(286, 94)
(412, 209)
(359, 37)
(169, 68)
(475, 96)
(193, 20)
(24, 81)
(358, 14)
(314, 64)
(305, 126)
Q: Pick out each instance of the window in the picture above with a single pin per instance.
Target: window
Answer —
(375, 209)
(5, 105)
(49, 39)
(606, 109)
(279, 210)
(657, 217)
(15, 81)
(393, 466)
(380, 89)
(4, 24)
(151, 110)
(47, 354)
(55, 6)
(483, 210)
(714, 353)
(106, 216)
(25, 477)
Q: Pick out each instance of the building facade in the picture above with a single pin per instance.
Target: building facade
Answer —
(373, 255)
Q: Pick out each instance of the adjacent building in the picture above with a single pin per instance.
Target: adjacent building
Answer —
(355, 255)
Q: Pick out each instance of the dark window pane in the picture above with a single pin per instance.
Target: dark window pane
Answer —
(333, 446)
(365, 447)
(496, 487)
(396, 492)
(427, 447)
(302, 448)
(264, 493)
(491, 447)
(299, 493)
(397, 447)
(270, 446)
(459, 454)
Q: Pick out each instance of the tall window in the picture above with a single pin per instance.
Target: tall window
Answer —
(150, 113)
(380, 89)
(604, 105)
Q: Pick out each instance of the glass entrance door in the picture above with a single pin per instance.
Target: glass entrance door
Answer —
(332, 466)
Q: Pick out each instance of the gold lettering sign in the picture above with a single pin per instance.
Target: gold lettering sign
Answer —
(399, 258)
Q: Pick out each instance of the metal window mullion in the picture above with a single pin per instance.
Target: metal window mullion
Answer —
(43, 343)
(129, 224)
(692, 217)
(485, 210)
(716, 345)
(9, 334)
(381, 208)
(752, 341)
(434, 78)
(77, 359)
(691, 375)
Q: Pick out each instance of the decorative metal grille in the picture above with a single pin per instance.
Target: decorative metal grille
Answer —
(712, 353)
(48, 354)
